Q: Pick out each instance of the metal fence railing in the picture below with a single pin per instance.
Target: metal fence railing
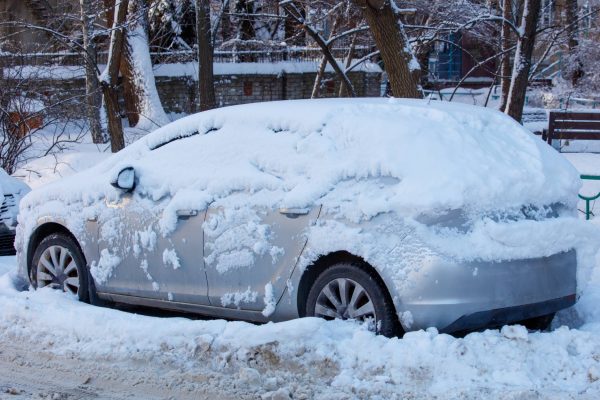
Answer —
(588, 199)
(287, 53)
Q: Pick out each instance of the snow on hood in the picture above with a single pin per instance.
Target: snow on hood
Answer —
(357, 157)
(10, 185)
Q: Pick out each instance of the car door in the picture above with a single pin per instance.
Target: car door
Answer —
(145, 263)
(250, 254)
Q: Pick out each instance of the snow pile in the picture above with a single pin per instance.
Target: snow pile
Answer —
(310, 357)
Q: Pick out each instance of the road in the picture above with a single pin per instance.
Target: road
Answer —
(28, 372)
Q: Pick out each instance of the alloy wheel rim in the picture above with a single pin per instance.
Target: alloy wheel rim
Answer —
(344, 298)
(57, 269)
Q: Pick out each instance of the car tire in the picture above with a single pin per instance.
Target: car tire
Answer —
(364, 298)
(541, 323)
(59, 263)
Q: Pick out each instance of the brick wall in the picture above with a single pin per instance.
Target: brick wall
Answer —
(179, 94)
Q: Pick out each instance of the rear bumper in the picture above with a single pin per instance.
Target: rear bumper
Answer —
(503, 316)
(473, 295)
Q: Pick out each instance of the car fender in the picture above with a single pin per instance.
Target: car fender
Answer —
(87, 238)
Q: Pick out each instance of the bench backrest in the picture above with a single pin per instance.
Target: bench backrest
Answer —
(574, 125)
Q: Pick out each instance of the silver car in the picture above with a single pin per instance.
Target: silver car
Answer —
(251, 253)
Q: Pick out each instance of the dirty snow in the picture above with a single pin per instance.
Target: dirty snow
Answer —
(307, 358)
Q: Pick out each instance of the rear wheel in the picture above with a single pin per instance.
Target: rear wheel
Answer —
(347, 291)
(59, 263)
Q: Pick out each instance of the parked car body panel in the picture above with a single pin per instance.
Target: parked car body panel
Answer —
(444, 292)
(152, 265)
(239, 285)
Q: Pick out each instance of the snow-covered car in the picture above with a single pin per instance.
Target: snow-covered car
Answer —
(406, 214)
(11, 192)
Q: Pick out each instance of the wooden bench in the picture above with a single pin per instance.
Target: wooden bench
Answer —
(572, 125)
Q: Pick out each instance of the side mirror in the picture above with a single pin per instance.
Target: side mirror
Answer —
(125, 180)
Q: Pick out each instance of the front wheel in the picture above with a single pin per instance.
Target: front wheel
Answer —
(347, 291)
(59, 263)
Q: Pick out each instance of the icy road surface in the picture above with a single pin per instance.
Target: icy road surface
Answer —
(52, 346)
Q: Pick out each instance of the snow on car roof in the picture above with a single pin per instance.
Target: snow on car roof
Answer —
(357, 157)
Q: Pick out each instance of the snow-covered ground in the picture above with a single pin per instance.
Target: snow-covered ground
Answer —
(101, 349)
(53, 347)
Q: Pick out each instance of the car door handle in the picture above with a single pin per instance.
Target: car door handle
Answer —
(187, 213)
(294, 211)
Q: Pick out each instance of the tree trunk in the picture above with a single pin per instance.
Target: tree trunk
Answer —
(245, 29)
(206, 79)
(319, 78)
(349, 58)
(522, 63)
(146, 110)
(505, 43)
(226, 30)
(110, 76)
(402, 68)
(131, 107)
(422, 55)
(576, 71)
(323, 64)
(93, 95)
(295, 12)
(131, 111)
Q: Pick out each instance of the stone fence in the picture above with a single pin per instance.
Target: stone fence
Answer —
(235, 83)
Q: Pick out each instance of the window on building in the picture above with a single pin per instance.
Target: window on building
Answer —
(547, 13)
(586, 21)
(248, 88)
(330, 86)
(445, 62)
